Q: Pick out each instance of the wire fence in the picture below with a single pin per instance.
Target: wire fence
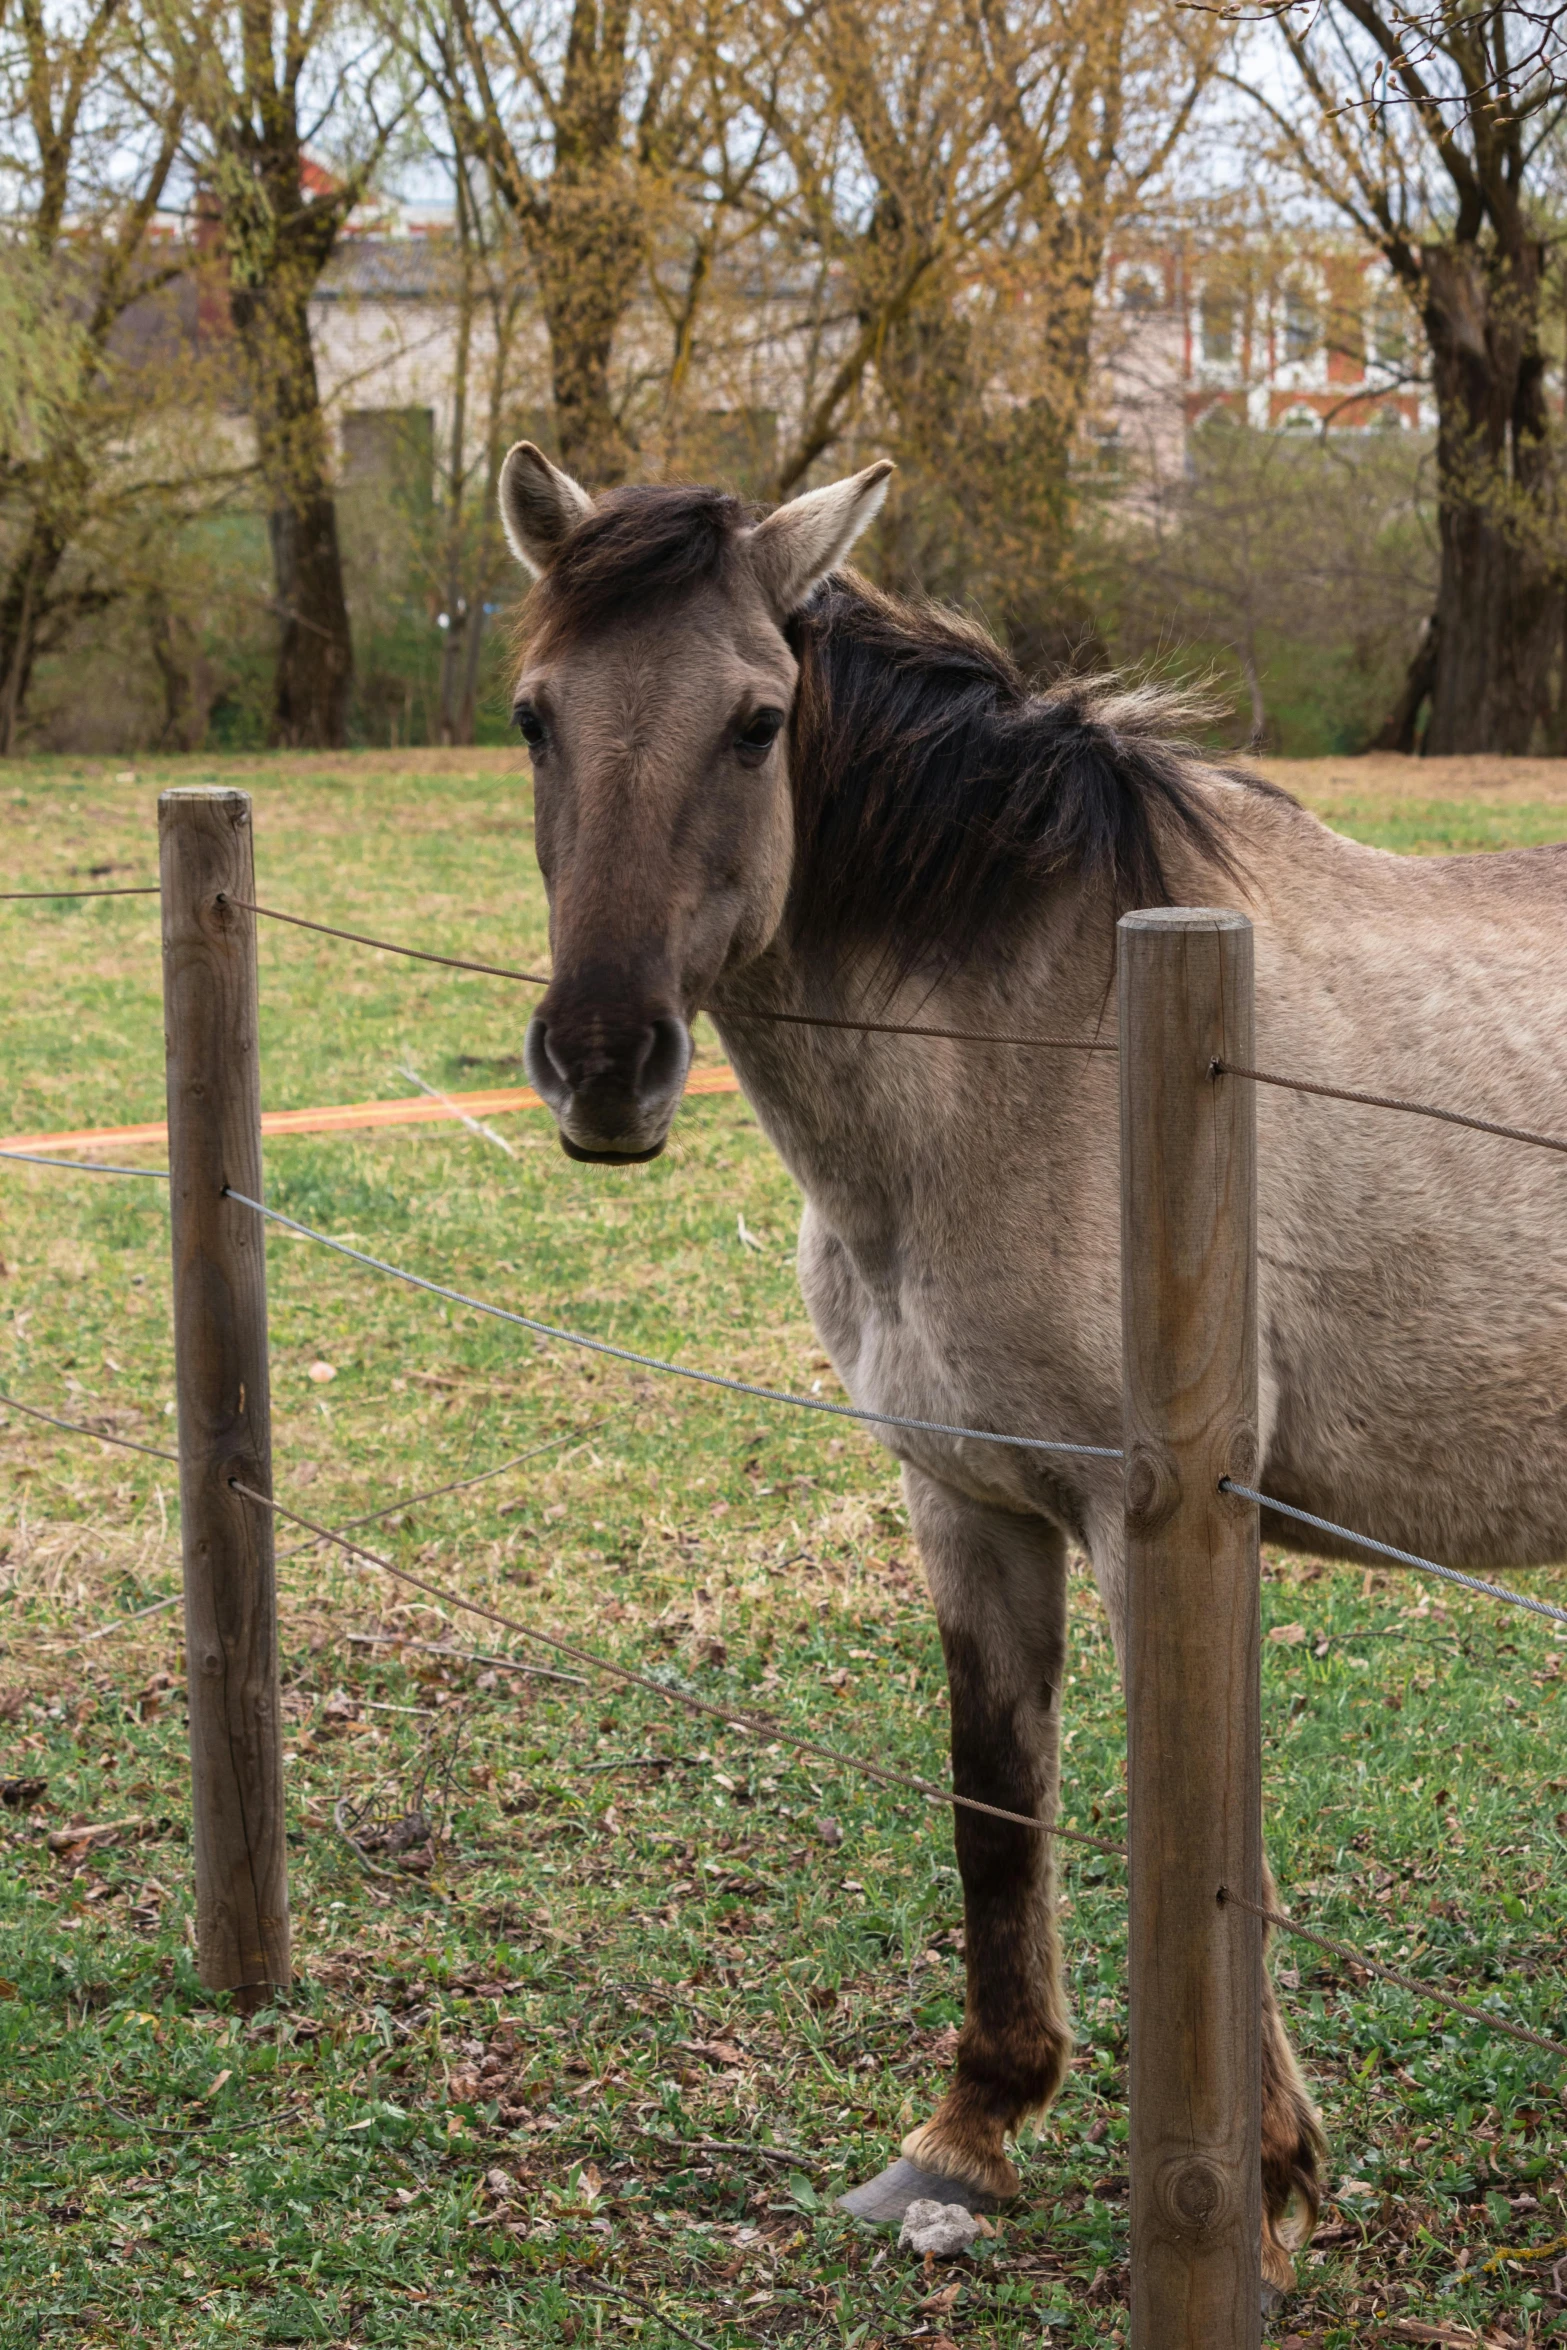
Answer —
(1402, 1558)
(766, 1729)
(743, 1720)
(141, 889)
(646, 1362)
(1392, 1101)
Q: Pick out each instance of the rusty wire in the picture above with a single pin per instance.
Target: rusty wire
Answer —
(1390, 1101)
(144, 889)
(1285, 1924)
(733, 1717)
(1070, 1044)
(762, 1726)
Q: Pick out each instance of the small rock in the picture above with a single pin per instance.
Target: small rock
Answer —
(945, 2230)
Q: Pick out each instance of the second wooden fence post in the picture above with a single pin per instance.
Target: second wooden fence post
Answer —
(1189, 1306)
(224, 1397)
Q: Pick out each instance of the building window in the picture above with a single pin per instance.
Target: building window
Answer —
(1218, 327)
(1300, 324)
(1139, 294)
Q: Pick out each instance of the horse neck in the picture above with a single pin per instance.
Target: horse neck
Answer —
(856, 1109)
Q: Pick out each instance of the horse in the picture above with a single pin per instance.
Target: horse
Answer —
(768, 791)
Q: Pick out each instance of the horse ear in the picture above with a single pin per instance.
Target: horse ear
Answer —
(540, 506)
(804, 540)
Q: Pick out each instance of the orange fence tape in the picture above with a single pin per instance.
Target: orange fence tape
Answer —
(420, 1109)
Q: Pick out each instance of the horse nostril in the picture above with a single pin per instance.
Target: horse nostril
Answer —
(665, 1057)
(543, 1064)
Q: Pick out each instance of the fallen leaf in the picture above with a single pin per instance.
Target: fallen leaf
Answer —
(716, 2051)
(1287, 1635)
(7, 1989)
(1356, 2187)
(321, 1373)
(829, 1830)
(16, 1794)
(940, 2303)
(227, 2074)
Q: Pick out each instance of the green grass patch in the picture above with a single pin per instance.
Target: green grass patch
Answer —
(596, 2068)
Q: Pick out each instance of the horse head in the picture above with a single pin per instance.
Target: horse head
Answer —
(654, 696)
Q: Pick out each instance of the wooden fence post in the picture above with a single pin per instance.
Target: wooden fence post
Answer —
(1189, 1310)
(224, 1399)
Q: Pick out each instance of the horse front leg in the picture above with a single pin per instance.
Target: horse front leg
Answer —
(999, 1585)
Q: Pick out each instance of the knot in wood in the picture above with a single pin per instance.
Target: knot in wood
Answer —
(1152, 1488)
(1194, 2195)
(1240, 1454)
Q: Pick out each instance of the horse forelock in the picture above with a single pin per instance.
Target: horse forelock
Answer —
(641, 545)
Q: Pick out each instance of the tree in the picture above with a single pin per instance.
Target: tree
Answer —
(490, 292)
(92, 148)
(1417, 126)
(581, 116)
(963, 172)
(1299, 560)
(265, 80)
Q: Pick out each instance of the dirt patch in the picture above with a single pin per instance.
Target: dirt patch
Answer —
(1486, 782)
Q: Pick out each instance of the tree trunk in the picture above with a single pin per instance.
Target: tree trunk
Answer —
(21, 608)
(593, 252)
(1400, 730)
(315, 657)
(1499, 601)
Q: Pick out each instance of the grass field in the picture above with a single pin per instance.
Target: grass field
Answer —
(595, 2071)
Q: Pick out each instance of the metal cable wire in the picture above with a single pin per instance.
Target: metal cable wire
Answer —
(756, 1725)
(1070, 1044)
(144, 889)
(1403, 1558)
(1057, 1044)
(1391, 1101)
(80, 1428)
(626, 1354)
(765, 1728)
(387, 946)
(85, 1166)
(1374, 1966)
(461, 1484)
(761, 1726)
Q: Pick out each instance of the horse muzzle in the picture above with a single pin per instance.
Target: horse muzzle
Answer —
(613, 1089)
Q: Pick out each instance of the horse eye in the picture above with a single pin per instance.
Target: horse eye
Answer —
(759, 733)
(529, 725)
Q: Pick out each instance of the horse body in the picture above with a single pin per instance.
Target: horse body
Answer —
(761, 795)
(960, 1247)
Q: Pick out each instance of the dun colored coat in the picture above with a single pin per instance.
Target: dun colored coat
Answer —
(763, 788)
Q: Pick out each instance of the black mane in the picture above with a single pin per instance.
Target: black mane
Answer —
(934, 792)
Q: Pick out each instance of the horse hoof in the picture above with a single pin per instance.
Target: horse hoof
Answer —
(885, 2199)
